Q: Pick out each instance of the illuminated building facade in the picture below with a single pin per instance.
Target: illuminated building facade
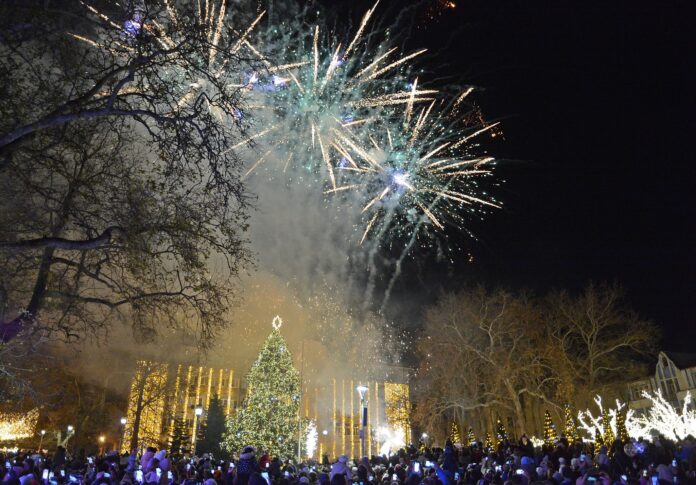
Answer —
(161, 393)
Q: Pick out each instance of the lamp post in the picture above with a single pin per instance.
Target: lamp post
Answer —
(42, 433)
(102, 439)
(197, 413)
(362, 390)
(122, 434)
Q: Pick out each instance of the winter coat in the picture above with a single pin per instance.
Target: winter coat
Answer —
(340, 468)
(247, 464)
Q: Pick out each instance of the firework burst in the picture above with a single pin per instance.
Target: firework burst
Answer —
(198, 48)
(416, 175)
(329, 86)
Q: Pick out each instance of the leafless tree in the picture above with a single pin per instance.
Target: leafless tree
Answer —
(121, 188)
(490, 353)
(599, 341)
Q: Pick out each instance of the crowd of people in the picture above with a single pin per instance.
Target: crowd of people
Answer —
(659, 462)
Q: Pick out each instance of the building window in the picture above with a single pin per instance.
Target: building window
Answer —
(667, 379)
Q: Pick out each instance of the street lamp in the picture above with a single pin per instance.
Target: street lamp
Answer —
(121, 435)
(102, 439)
(70, 428)
(362, 390)
(42, 432)
(198, 412)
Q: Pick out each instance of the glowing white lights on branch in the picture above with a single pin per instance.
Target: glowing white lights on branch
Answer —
(663, 418)
(594, 426)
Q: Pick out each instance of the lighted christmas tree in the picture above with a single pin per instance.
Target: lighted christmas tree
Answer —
(471, 437)
(454, 436)
(500, 431)
(621, 430)
(549, 429)
(570, 428)
(268, 419)
(607, 432)
(489, 441)
(598, 439)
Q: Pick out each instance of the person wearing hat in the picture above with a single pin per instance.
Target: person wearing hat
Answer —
(247, 462)
(341, 468)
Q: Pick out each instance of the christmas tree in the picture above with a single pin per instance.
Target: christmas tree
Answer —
(269, 416)
(599, 440)
(621, 427)
(570, 428)
(180, 439)
(549, 429)
(500, 431)
(454, 436)
(489, 441)
(213, 429)
(471, 437)
(607, 432)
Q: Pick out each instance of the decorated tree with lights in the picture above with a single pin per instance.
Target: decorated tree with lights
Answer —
(607, 431)
(471, 437)
(454, 436)
(500, 431)
(549, 429)
(489, 441)
(621, 431)
(269, 416)
(570, 427)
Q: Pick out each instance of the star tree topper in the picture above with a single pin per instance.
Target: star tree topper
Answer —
(277, 323)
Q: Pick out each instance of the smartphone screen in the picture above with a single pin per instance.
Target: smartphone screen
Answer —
(674, 462)
(159, 472)
(62, 473)
(456, 476)
(265, 476)
(44, 475)
(394, 477)
(416, 467)
(139, 476)
(519, 471)
(170, 476)
(654, 480)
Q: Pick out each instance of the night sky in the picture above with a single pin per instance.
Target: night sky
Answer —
(598, 111)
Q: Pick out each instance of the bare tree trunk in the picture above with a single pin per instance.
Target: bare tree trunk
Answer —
(519, 412)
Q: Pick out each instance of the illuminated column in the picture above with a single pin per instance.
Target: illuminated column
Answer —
(369, 422)
(198, 399)
(175, 399)
(210, 384)
(221, 376)
(352, 421)
(334, 429)
(375, 414)
(343, 417)
(229, 392)
(186, 394)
